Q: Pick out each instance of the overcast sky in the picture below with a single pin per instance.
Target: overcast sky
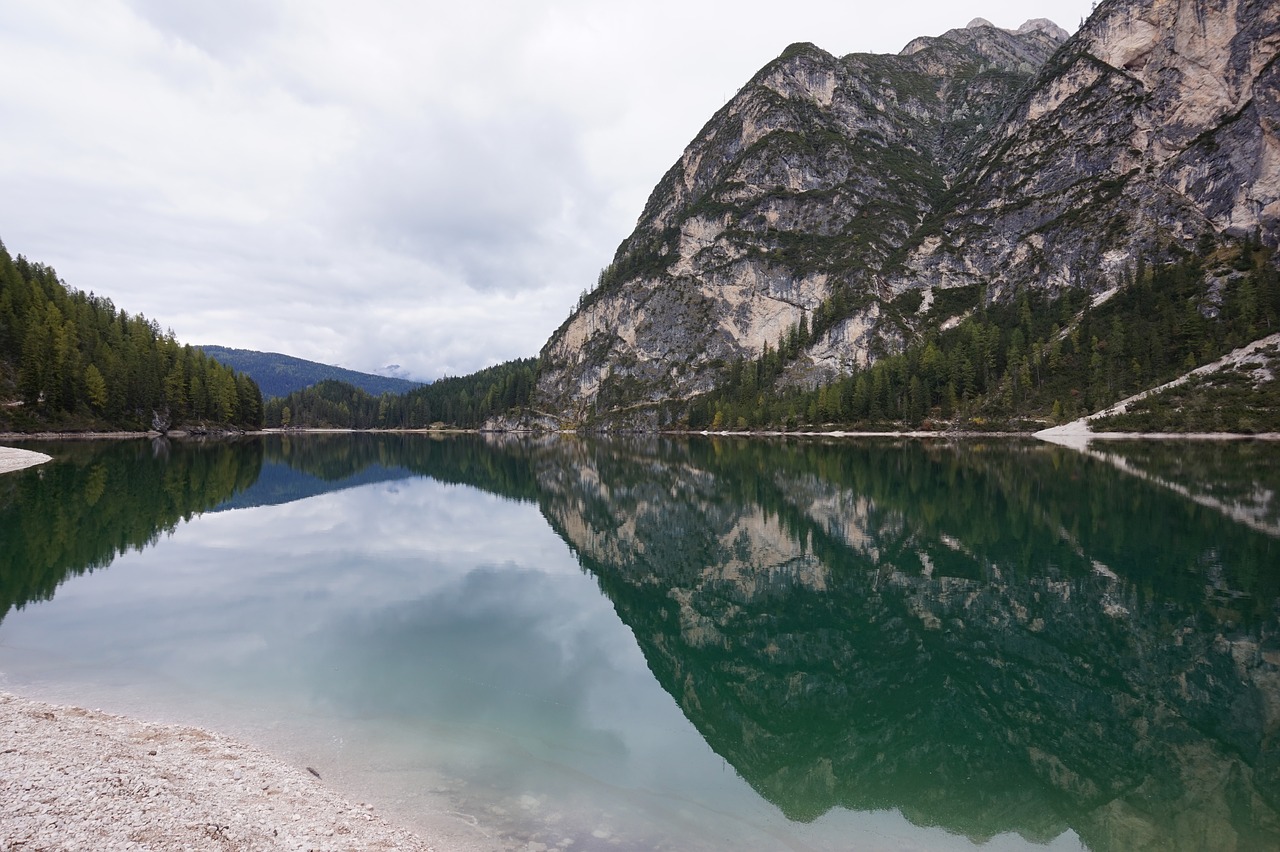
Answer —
(384, 182)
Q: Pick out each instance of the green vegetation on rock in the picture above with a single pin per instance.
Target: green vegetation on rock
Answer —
(1038, 358)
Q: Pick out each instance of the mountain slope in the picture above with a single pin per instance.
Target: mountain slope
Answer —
(1155, 124)
(280, 375)
(807, 214)
(782, 209)
(71, 361)
(1239, 391)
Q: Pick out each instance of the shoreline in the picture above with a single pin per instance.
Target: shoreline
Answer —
(84, 779)
(1069, 434)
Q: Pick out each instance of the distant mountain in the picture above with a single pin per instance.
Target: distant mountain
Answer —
(281, 375)
(394, 371)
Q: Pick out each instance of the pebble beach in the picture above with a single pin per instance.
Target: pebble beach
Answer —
(75, 779)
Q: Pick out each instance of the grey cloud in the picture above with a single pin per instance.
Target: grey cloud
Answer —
(226, 29)
(393, 182)
(474, 197)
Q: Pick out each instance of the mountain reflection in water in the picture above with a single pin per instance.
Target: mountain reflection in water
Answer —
(990, 638)
(987, 636)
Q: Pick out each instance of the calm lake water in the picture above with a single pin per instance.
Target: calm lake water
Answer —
(703, 644)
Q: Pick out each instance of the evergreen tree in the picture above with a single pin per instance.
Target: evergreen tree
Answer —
(77, 362)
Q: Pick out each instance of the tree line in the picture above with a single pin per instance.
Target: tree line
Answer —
(1036, 356)
(464, 402)
(72, 360)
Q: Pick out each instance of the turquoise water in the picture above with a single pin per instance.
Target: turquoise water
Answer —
(689, 645)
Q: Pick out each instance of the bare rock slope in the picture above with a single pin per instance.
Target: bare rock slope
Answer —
(1155, 124)
(830, 188)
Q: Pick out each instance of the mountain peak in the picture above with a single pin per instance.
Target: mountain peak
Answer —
(1042, 25)
(1035, 25)
(1028, 46)
(818, 213)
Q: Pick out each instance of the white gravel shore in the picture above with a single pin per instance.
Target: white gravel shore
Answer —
(13, 459)
(73, 779)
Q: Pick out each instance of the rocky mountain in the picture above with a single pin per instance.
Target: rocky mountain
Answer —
(959, 170)
(1156, 124)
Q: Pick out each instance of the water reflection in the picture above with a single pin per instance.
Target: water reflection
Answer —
(988, 637)
(105, 498)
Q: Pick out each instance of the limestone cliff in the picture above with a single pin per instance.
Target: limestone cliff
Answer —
(828, 187)
(786, 203)
(1155, 124)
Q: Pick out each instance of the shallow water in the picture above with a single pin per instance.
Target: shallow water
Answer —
(651, 644)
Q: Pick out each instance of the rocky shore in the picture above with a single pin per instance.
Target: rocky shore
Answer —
(73, 779)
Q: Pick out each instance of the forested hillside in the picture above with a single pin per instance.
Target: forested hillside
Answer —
(70, 360)
(1036, 358)
(280, 375)
(460, 402)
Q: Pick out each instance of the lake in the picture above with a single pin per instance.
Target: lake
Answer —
(644, 643)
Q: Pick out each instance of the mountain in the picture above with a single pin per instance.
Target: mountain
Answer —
(839, 209)
(393, 371)
(280, 375)
(1156, 124)
(464, 402)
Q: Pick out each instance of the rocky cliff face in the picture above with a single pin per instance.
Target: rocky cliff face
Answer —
(828, 187)
(788, 201)
(1155, 124)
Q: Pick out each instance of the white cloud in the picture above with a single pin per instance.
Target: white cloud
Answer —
(386, 182)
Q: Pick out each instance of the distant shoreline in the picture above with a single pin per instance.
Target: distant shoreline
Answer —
(1055, 435)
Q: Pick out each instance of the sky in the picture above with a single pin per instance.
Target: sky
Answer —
(390, 182)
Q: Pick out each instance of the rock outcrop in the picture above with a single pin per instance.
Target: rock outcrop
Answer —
(830, 190)
(1153, 125)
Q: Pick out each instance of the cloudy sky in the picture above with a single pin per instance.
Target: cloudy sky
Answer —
(385, 182)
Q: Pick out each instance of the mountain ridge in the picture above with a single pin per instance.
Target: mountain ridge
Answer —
(279, 375)
(828, 189)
